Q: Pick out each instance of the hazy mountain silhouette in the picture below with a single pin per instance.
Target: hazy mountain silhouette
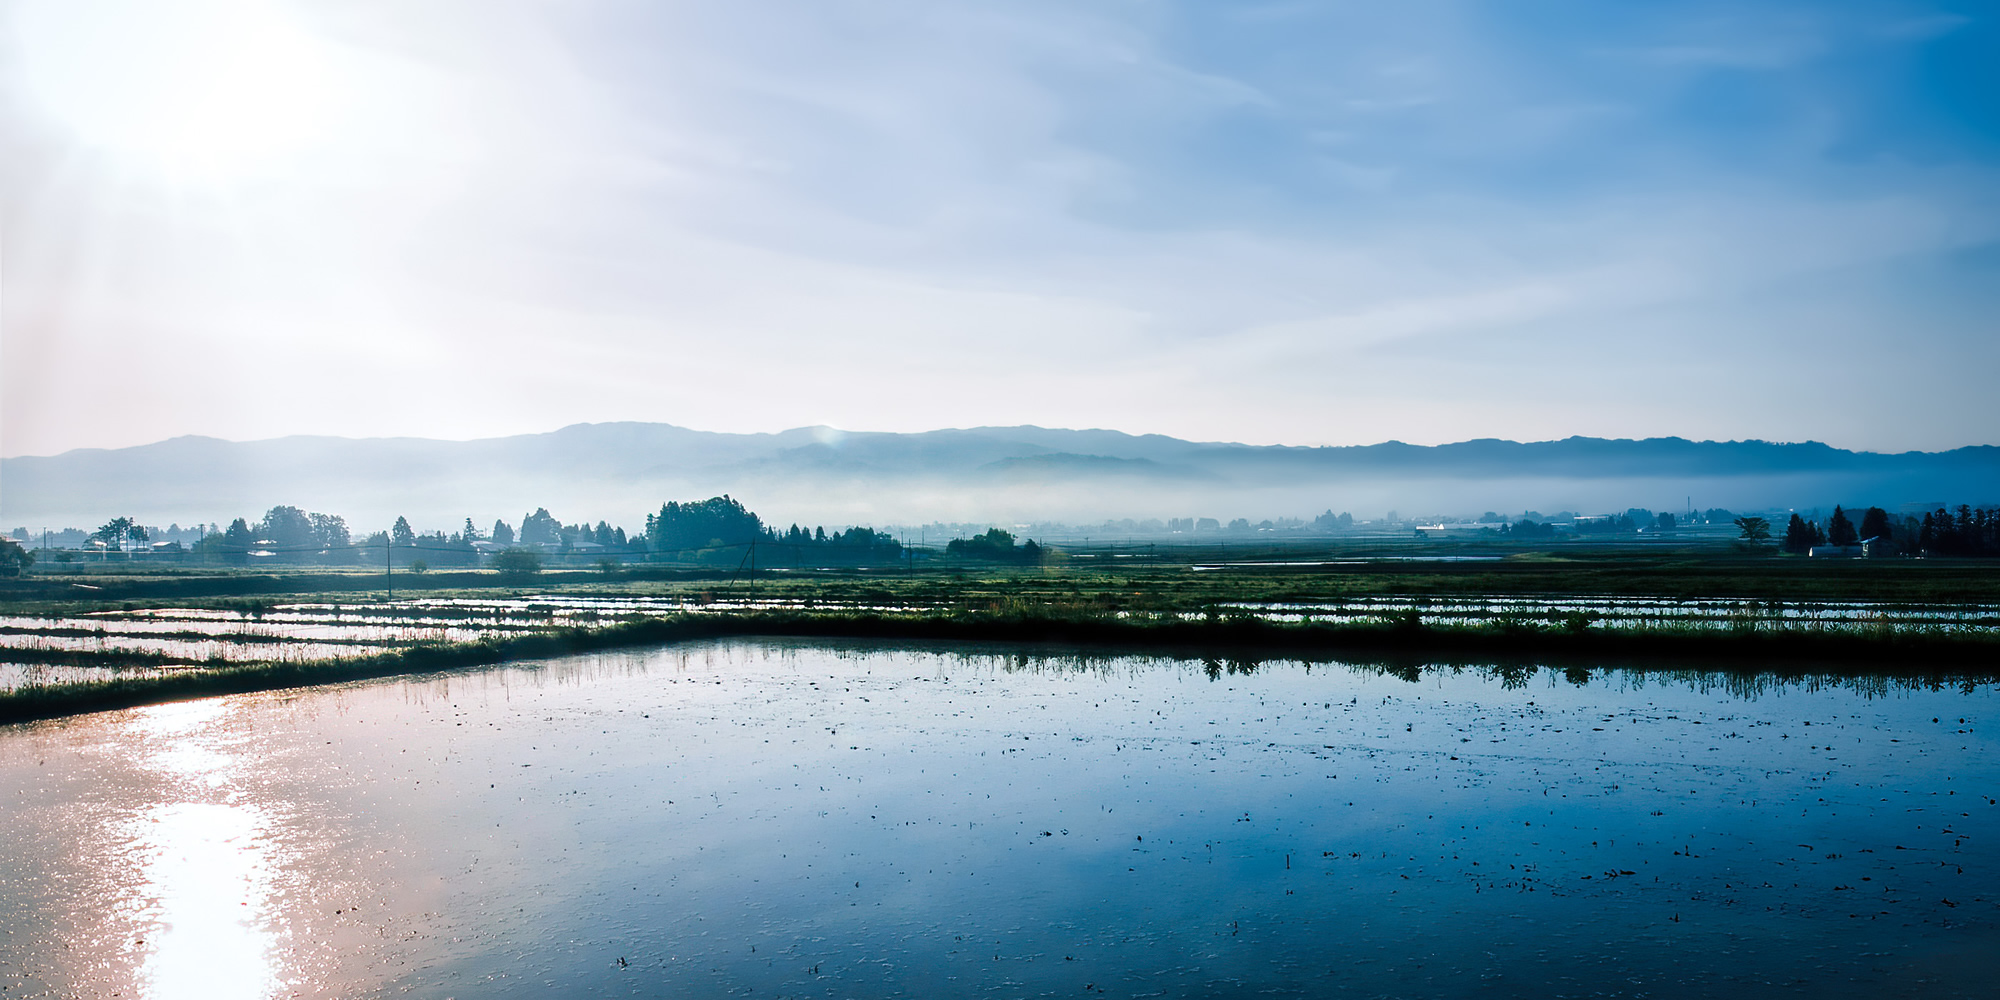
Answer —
(618, 471)
(1064, 466)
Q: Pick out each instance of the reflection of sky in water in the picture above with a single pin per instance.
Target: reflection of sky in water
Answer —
(793, 819)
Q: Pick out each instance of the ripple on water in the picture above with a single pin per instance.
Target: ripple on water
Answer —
(807, 818)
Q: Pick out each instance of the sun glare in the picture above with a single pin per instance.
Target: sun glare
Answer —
(206, 89)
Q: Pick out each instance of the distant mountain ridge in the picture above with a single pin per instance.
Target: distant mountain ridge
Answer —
(620, 470)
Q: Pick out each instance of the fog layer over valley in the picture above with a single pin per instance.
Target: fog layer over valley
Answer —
(997, 474)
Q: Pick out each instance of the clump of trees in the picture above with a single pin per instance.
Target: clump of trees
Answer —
(408, 547)
(230, 545)
(1801, 535)
(852, 545)
(284, 534)
(714, 529)
(1966, 532)
(1970, 532)
(995, 546)
(117, 532)
(295, 535)
(713, 523)
(14, 558)
(1330, 521)
(1609, 524)
(1875, 524)
(542, 530)
(516, 565)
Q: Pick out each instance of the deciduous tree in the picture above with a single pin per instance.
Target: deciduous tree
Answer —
(515, 565)
(1755, 530)
(1875, 524)
(14, 558)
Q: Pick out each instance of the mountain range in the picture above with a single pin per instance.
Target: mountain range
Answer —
(818, 475)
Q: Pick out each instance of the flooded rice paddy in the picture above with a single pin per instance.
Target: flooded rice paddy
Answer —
(117, 642)
(795, 819)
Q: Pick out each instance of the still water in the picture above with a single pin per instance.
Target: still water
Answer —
(792, 819)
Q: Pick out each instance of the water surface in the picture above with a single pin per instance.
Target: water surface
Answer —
(802, 819)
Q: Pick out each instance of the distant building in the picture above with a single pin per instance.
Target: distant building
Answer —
(1877, 548)
(1834, 552)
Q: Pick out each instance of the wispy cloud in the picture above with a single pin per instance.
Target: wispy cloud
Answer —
(750, 216)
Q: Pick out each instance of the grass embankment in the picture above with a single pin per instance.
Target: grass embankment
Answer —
(1943, 656)
(1168, 580)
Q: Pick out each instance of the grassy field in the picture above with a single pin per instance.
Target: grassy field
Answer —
(1178, 576)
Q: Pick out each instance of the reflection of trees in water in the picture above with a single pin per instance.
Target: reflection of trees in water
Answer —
(1215, 668)
(1742, 683)
(944, 661)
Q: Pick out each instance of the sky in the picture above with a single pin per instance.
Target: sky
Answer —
(1299, 223)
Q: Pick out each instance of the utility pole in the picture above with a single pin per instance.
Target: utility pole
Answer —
(388, 567)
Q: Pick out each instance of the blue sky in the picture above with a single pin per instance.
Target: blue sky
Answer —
(1308, 223)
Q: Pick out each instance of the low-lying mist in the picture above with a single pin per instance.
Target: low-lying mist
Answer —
(618, 473)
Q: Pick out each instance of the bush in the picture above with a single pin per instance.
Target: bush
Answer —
(517, 564)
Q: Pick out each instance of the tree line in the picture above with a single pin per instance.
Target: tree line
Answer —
(721, 529)
(995, 545)
(712, 530)
(1970, 532)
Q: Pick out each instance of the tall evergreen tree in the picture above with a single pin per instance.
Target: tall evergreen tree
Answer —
(235, 541)
(1798, 535)
(1839, 530)
(540, 528)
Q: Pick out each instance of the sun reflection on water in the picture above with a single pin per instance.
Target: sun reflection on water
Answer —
(208, 879)
(206, 870)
